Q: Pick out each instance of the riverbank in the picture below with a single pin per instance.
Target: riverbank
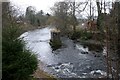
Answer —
(91, 42)
(40, 74)
(28, 27)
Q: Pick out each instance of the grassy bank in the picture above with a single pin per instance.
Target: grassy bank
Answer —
(41, 74)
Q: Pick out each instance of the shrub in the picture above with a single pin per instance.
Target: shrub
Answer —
(55, 44)
(18, 63)
(76, 35)
(84, 35)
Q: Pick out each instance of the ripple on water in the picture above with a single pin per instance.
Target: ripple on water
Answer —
(67, 62)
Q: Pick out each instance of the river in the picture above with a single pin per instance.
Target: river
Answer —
(71, 61)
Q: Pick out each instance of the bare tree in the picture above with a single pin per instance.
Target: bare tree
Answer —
(111, 24)
(76, 7)
(60, 11)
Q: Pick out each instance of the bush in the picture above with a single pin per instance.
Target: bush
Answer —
(55, 44)
(18, 63)
(76, 35)
(84, 35)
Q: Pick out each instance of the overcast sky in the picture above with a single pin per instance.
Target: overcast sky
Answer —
(44, 5)
(38, 4)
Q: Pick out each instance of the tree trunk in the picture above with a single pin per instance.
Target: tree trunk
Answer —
(74, 21)
(99, 14)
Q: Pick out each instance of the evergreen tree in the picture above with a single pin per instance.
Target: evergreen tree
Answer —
(18, 63)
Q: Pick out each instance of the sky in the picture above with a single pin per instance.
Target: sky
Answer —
(44, 5)
(38, 4)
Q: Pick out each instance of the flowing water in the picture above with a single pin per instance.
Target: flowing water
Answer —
(73, 60)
